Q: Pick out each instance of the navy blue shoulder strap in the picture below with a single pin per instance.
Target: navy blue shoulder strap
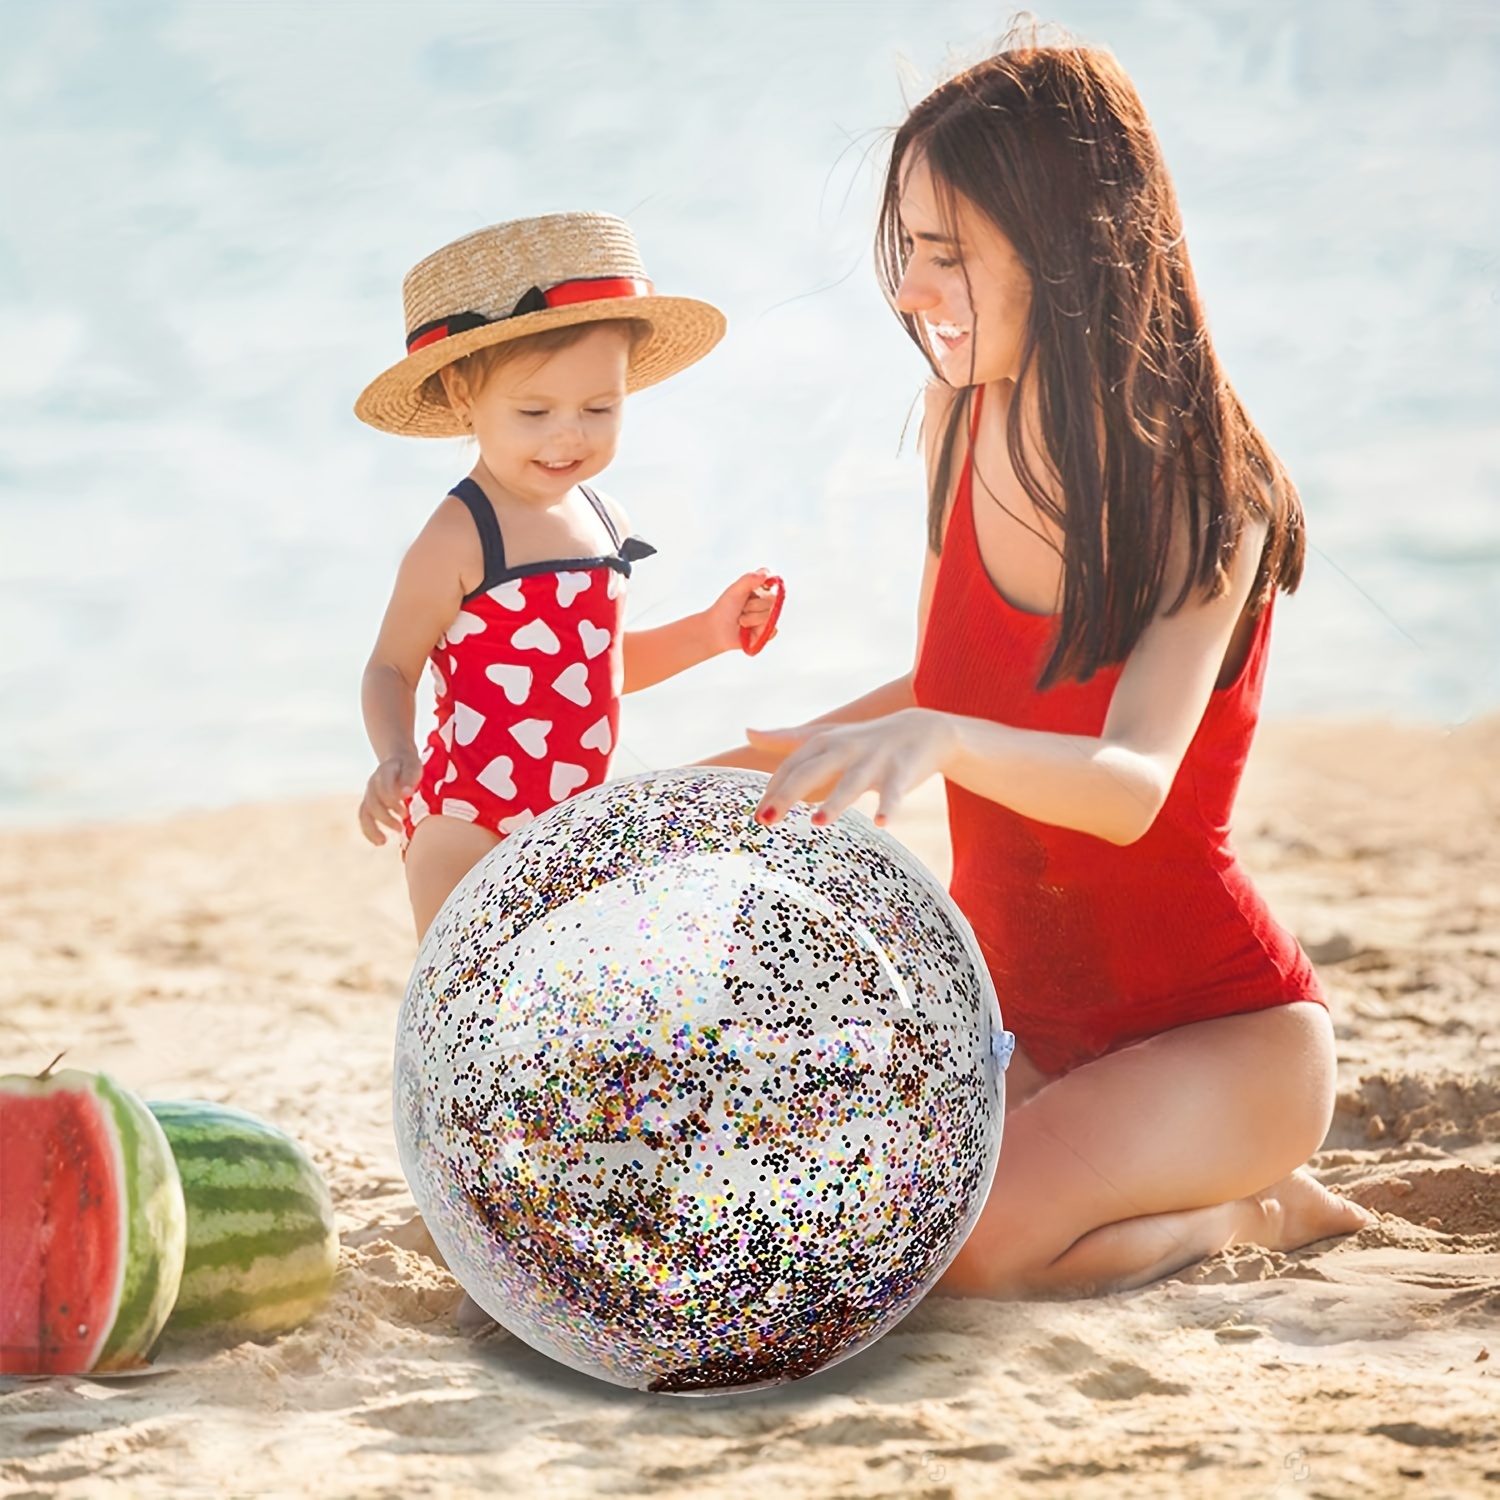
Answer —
(602, 511)
(487, 524)
(631, 549)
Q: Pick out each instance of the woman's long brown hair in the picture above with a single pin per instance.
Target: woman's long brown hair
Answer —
(1143, 434)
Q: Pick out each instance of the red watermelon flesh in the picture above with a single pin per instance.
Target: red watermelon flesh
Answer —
(91, 1228)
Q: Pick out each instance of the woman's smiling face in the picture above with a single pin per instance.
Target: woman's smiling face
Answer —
(965, 282)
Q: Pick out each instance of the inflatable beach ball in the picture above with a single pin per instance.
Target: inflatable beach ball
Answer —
(691, 1104)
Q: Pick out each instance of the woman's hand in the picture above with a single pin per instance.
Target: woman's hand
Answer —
(393, 781)
(833, 764)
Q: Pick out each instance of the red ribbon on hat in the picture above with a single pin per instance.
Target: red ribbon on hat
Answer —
(534, 299)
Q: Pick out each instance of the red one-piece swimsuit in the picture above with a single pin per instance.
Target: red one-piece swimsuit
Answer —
(1092, 945)
(528, 680)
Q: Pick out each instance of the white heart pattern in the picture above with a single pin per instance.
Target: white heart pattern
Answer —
(616, 584)
(570, 586)
(496, 777)
(594, 639)
(597, 737)
(566, 779)
(439, 682)
(573, 683)
(517, 820)
(417, 809)
(509, 595)
(464, 624)
(467, 722)
(445, 733)
(451, 774)
(531, 736)
(512, 678)
(454, 807)
(536, 635)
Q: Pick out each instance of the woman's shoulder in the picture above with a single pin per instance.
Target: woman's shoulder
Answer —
(938, 399)
(942, 453)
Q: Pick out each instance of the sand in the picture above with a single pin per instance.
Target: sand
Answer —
(257, 956)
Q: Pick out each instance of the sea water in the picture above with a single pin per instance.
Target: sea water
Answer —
(206, 212)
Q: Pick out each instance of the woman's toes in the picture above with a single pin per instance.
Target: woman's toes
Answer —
(1299, 1210)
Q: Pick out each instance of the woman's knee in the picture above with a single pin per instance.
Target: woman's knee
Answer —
(1264, 1089)
(1304, 1064)
(1256, 1096)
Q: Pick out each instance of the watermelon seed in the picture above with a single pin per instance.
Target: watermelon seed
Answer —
(83, 1330)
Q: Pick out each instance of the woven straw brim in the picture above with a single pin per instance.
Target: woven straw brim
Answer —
(683, 330)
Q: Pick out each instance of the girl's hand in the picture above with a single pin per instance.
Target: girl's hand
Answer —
(393, 781)
(758, 624)
(748, 604)
(833, 764)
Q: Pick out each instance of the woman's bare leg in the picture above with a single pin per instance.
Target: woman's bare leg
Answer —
(441, 852)
(1157, 1155)
(1023, 1081)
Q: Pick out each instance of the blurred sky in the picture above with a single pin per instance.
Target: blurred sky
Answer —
(206, 211)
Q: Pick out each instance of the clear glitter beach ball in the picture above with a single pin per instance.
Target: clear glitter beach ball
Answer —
(691, 1104)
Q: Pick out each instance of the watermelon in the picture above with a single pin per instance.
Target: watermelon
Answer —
(261, 1244)
(93, 1228)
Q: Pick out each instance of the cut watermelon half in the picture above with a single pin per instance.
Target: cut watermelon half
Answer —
(93, 1228)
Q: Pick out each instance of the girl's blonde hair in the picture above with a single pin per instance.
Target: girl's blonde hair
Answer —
(476, 369)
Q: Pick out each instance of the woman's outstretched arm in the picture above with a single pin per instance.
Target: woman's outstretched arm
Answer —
(889, 698)
(1112, 785)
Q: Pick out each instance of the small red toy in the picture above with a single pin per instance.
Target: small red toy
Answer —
(754, 641)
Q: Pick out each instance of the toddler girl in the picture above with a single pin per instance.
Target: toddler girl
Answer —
(527, 336)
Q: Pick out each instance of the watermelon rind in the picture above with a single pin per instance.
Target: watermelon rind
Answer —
(262, 1247)
(156, 1238)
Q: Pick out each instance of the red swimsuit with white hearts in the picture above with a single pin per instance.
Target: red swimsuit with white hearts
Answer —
(528, 681)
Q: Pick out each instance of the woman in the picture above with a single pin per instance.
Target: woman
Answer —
(1107, 532)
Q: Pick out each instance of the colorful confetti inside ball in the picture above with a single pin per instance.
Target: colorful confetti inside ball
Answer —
(691, 1104)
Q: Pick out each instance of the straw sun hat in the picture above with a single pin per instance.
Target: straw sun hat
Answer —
(519, 278)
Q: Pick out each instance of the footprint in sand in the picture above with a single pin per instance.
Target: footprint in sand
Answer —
(1123, 1381)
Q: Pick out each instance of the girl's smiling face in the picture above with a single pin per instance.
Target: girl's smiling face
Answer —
(548, 422)
(965, 282)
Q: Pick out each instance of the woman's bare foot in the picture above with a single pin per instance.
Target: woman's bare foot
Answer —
(1298, 1210)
